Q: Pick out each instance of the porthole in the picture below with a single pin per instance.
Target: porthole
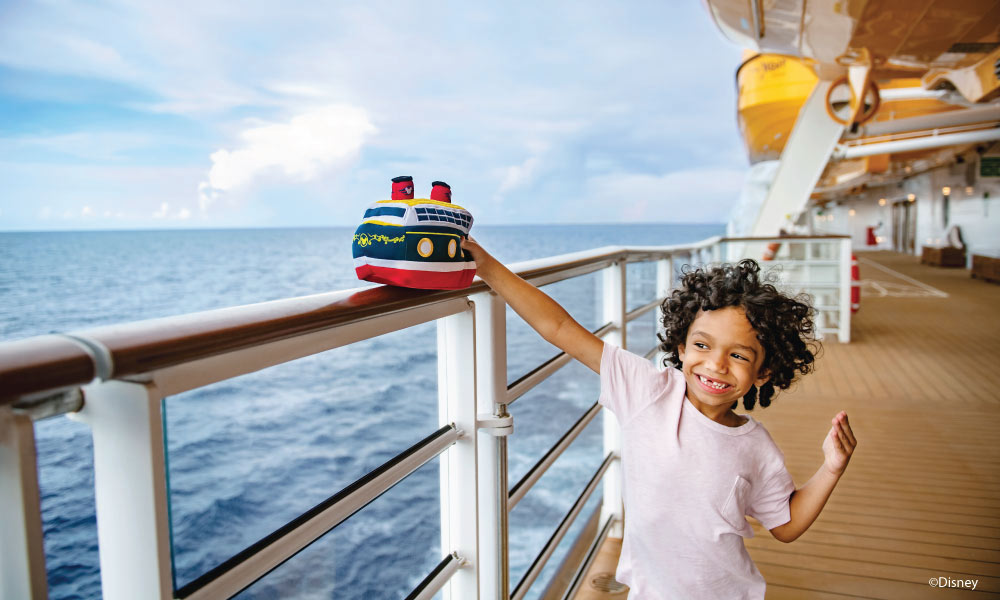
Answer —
(425, 247)
(452, 248)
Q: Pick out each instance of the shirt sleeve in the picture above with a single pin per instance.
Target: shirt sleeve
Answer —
(628, 382)
(770, 499)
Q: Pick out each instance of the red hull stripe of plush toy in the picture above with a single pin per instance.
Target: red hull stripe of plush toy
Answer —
(414, 243)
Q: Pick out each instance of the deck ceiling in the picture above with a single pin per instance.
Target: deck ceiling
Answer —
(909, 35)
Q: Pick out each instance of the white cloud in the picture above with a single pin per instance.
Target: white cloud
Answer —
(519, 175)
(86, 211)
(301, 149)
(703, 195)
(184, 213)
(162, 212)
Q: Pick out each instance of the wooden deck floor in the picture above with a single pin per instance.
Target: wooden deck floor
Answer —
(920, 382)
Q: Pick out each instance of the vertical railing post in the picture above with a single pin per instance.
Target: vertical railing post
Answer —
(614, 312)
(459, 477)
(664, 284)
(130, 484)
(491, 399)
(844, 318)
(22, 553)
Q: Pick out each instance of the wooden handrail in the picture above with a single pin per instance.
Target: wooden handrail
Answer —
(47, 364)
(41, 364)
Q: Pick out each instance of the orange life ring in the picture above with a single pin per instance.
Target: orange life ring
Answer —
(771, 250)
(855, 285)
(865, 113)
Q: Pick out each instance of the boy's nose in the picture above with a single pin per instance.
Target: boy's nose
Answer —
(717, 363)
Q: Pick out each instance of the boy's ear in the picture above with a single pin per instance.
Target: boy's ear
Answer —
(762, 377)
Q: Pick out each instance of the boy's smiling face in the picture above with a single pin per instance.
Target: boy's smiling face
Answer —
(721, 360)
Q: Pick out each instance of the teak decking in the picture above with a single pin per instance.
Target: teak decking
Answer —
(920, 382)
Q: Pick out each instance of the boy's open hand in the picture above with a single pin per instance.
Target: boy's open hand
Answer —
(839, 444)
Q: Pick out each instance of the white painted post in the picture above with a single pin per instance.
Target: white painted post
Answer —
(614, 311)
(130, 481)
(664, 285)
(22, 553)
(457, 404)
(844, 322)
(491, 394)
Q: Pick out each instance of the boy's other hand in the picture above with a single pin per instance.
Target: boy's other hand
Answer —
(839, 444)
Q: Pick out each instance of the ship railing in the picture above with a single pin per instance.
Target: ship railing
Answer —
(114, 380)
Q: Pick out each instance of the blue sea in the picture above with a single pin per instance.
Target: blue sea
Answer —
(248, 454)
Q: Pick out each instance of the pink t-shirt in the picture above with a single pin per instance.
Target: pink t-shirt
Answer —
(687, 484)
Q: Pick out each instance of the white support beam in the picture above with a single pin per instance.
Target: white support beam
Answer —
(130, 482)
(806, 154)
(664, 287)
(22, 553)
(491, 391)
(920, 143)
(951, 118)
(459, 477)
(844, 299)
(614, 312)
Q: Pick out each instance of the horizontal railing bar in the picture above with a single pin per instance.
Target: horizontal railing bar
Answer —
(535, 473)
(550, 546)
(635, 313)
(259, 559)
(198, 373)
(45, 364)
(651, 353)
(42, 366)
(528, 381)
(595, 548)
(436, 579)
(787, 238)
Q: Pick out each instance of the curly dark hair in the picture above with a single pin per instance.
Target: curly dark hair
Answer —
(784, 325)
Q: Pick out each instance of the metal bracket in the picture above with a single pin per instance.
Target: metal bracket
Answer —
(494, 425)
(51, 404)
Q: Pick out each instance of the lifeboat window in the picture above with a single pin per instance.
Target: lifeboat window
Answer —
(423, 218)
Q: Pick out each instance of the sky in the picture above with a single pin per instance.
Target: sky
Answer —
(141, 114)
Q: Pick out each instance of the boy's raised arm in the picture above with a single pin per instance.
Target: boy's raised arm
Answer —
(808, 501)
(544, 314)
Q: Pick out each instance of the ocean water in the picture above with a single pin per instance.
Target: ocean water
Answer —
(248, 454)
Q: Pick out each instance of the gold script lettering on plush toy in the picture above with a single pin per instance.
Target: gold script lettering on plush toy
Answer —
(364, 240)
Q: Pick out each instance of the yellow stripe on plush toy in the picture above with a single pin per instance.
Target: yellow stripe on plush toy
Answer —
(383, 223)
(421, 201)
(434, 233)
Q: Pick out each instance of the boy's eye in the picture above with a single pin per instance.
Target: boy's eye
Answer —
(700, 345)
(740, 356)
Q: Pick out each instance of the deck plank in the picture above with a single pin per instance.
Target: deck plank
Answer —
(920, 381)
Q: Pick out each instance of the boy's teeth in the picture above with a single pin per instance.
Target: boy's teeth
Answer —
(712, 383)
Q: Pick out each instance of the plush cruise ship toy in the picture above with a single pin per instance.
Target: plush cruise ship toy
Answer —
(415, 243)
